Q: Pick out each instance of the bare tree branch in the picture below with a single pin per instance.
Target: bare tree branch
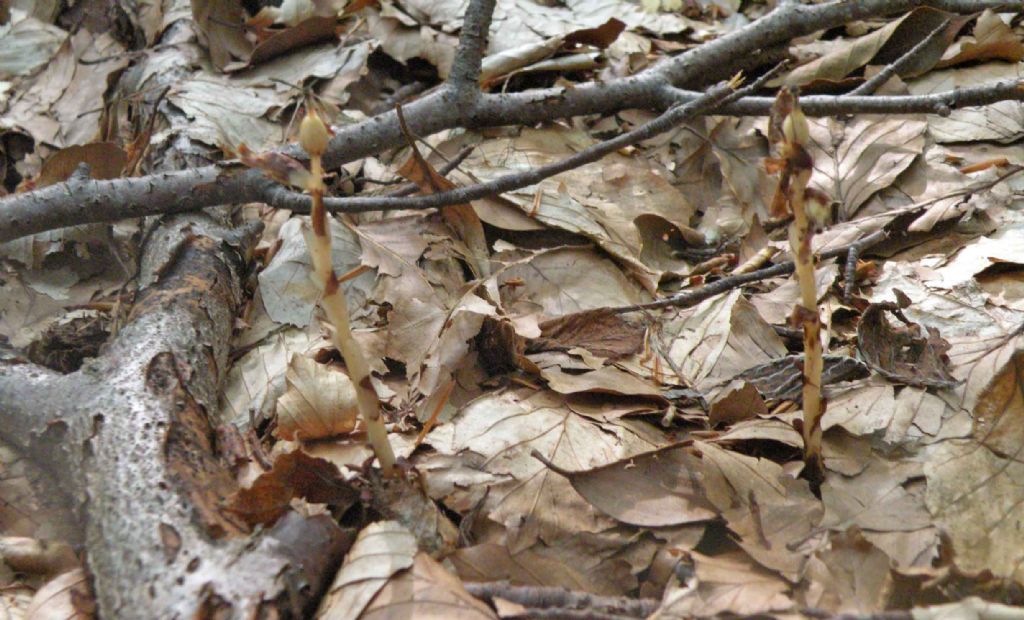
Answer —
(83, 201)
(465, 72)
(129, 437)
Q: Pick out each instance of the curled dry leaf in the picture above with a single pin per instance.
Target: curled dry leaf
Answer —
(993, 39)
(319, 402)
(913, 355)
(884, 46)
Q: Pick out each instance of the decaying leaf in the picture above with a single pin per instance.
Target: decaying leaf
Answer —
(910, 354)
(65, 596)
(381, 550)
(655, 489)
(855, 159)
(426, 590)
(294, 474)
(725, 582)
(721, 338)
(975, 496)
(534, 503)
(601, 331)
(884, 46)
(106, 160)
(992, 39)
(318, 402)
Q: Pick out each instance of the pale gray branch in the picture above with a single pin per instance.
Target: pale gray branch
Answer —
(83, 201)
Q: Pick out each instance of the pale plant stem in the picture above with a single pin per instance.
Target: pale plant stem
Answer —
(336, 308)
(800, 233)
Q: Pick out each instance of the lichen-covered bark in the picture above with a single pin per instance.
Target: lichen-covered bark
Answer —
(130, 436)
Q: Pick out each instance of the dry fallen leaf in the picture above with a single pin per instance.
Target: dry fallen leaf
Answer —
(318, 402)
(655, 489)
(854, 159)
(381, 550)
(426, 590)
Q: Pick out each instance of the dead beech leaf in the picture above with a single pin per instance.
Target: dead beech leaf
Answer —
(654, 489)
(999, 411)
(461, 218)
(36, 556)
(865, 408)
(288, 293)
(601, 331)
(849, 576)
(720, 338)
(913, 354)
(381, 550)
(493, 562)
(315, 29)
(567, 280)
(727, 584)
(854, 159)
(607, 380)
(106, 160)
(883, 46)
(221, 28)
(318, 402)
(775, 516)
(993, 39)
(977, 362)
(405, 501)
(600, 202)
(738, 401)
(27, 45)
(875, 499)
(1001, 122)
(257, 379)
(294, 474)
(531, 501)
(428, 591)
(976, 497)
(65, 597)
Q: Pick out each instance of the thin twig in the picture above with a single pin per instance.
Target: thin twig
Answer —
(451, 164)
(850, 272)
(545, 597)
(716, 96)
(689, 298)
(465, 73)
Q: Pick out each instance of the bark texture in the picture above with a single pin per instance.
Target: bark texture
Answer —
(131, 436)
